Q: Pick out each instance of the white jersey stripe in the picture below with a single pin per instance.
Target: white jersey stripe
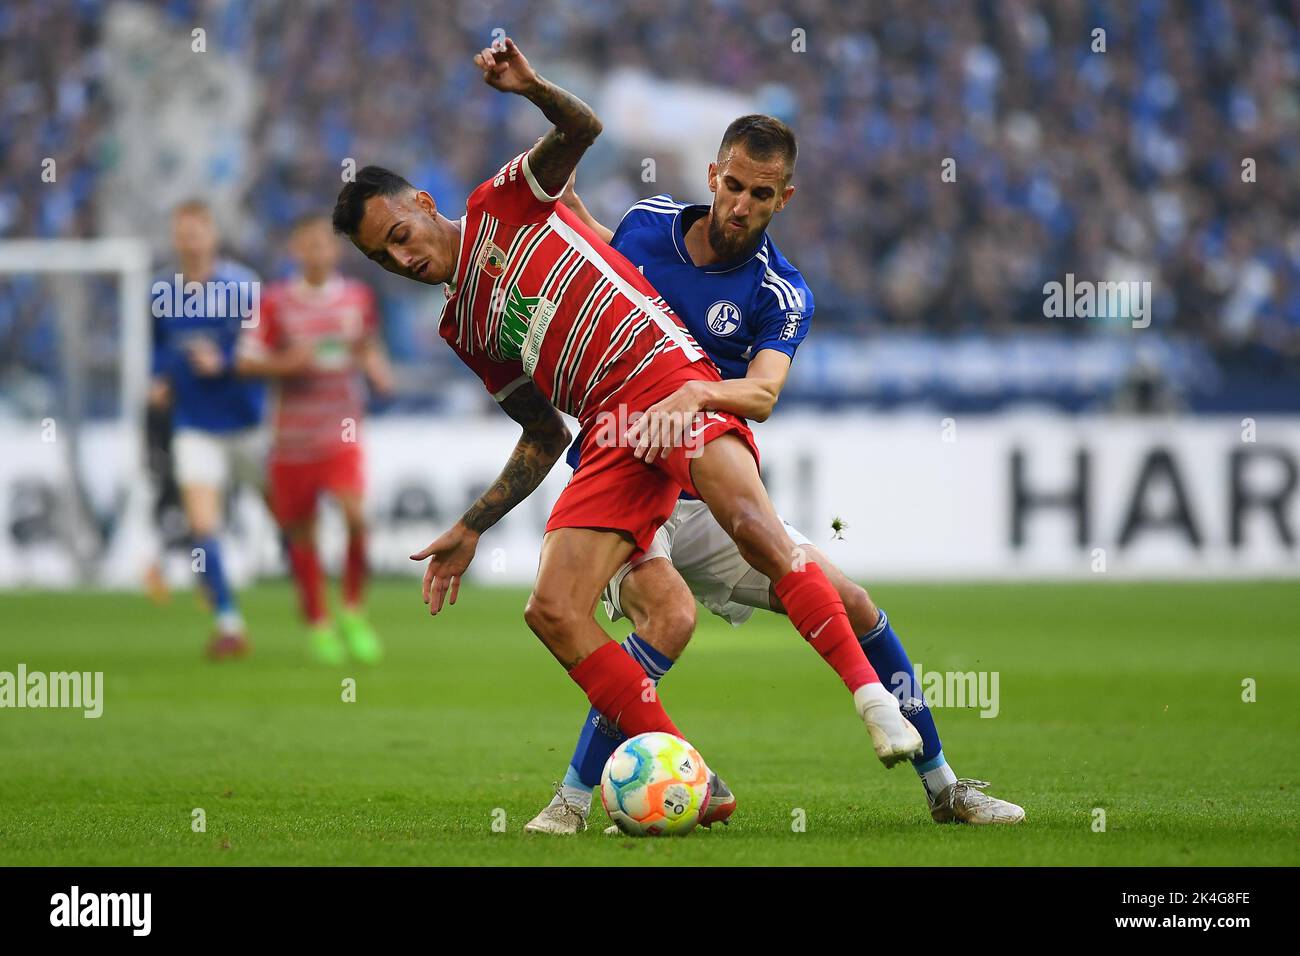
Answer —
(570, 374)
(666, 325)
(623, 325)
(779, 293)
(794, 295)
(540, 194)
(527, 239)
(663, 199)
(465, 305)
(611, 357)
(588, 313)
(656, 209)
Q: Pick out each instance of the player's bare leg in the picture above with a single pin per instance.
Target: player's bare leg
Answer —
(575, 566)
(360, 638)
(726, 476)
(202, 504)
(662, 610)
(660, 606)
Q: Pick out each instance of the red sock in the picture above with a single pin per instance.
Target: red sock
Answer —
(818, 614)
(354, 570)
(305, 565)
(617, 687)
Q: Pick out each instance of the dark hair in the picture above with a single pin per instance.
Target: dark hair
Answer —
(763, 137)
(370, 181)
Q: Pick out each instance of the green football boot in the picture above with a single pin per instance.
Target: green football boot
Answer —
(360, 638)
(326, 647)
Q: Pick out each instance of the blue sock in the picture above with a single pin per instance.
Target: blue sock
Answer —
(599, 737)
(213, 578)
(885, 653)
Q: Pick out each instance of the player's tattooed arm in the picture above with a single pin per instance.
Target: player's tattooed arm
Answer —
(575, 124)
(554, 159)
(541, 445)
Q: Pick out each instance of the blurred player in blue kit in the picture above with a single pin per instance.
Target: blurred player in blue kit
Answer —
(198, 313)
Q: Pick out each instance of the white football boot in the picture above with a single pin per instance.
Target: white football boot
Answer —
(892, 736)
(964, 802)
(562, 816)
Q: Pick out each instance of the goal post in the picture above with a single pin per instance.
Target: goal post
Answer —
(92, 557)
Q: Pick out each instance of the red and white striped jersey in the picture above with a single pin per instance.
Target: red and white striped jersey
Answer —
(537, 295)
(319, 410)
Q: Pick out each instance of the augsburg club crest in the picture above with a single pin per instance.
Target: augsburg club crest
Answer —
(492, 260)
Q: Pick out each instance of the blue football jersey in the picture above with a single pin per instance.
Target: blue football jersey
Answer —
(733, 309)
(225, 402)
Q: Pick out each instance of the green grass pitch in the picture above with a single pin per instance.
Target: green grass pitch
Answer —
(1124, 697)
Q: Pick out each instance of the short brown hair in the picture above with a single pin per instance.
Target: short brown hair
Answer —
(193, 207)
(310, 219)
(763, 137)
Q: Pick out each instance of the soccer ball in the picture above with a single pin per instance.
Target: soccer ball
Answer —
(655, 785)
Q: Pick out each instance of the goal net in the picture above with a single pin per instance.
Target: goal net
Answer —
(75, 496)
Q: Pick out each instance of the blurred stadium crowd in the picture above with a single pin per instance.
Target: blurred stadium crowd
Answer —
(1122, 164)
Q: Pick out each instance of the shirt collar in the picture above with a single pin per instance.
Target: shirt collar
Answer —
(327, 290)
(450, 288)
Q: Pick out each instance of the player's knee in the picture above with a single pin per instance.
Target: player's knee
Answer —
(757, 541)
(862, 611)
(548, 618)
(354, 518)
(668, 628)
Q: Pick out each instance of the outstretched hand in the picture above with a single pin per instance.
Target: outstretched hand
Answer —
(450, 555)
(505, 68)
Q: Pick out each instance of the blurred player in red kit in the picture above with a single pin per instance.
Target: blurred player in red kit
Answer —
(317, 337)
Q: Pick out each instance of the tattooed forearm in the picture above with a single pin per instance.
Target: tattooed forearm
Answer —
(572, 118)
(576, 128)
(542, 444)
(528, 465)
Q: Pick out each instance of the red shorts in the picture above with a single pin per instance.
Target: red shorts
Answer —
(296, 485)
(613, 489)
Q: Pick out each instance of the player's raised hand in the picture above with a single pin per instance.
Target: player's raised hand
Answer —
(505, 68)
(450, 555)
